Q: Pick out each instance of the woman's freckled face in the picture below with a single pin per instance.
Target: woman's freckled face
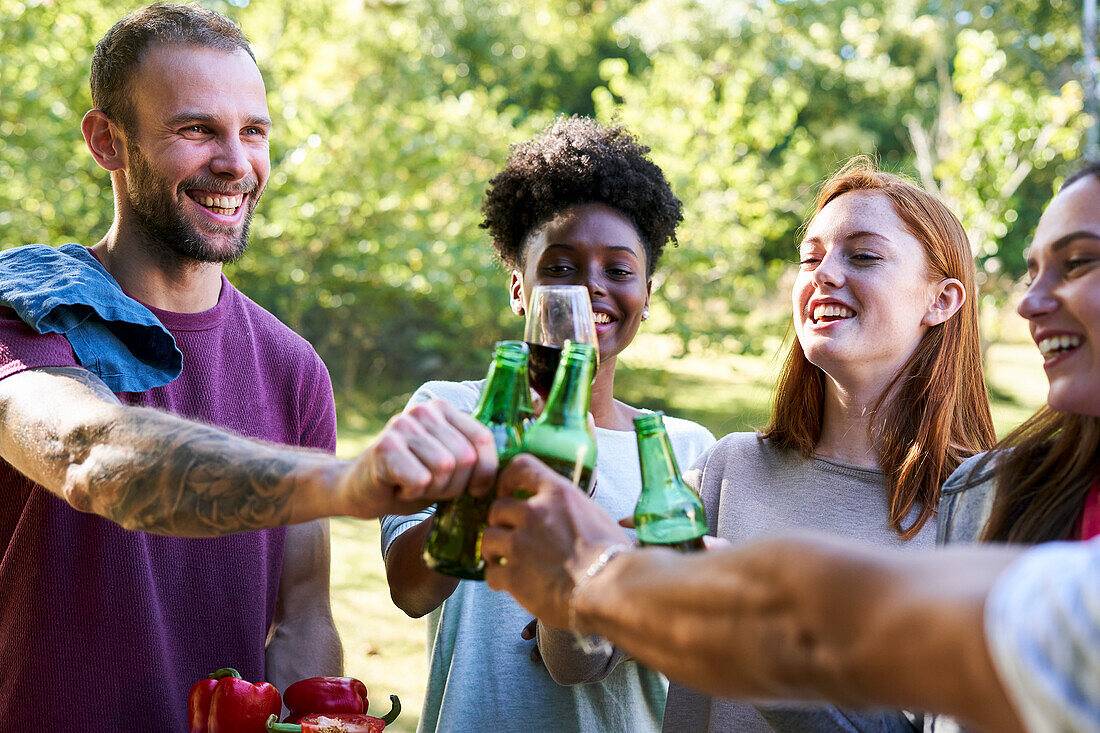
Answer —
(862, 289)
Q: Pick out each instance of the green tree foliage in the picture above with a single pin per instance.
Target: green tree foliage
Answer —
(369, 241)
(751, 105)
(391, 116)
(50, 189)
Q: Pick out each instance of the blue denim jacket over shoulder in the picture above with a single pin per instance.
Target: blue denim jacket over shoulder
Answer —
(66, 290)
(966, 500)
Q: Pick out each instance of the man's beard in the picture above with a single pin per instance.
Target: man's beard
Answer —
(162, 222)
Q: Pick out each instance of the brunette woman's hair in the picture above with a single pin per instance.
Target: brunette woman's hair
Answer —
(1043, 472)
(938, 411)
(1044, 468)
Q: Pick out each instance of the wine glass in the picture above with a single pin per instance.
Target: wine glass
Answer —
(555, 313)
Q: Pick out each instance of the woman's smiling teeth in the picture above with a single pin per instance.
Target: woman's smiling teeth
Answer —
(1054, 345)
(832, 311)
(601, 318)
(225, 205)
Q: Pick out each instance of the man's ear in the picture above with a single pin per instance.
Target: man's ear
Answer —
(517, 297)
(950, 296)
(104, 140)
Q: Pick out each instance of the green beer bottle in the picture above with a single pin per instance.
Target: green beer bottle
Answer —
(453, 546)
(669, 512)
(561, 437)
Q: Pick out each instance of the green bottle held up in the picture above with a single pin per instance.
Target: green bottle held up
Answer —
(561, 437)
(453, 546)
(669, 513)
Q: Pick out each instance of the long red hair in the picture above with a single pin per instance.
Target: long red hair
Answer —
(938, 414)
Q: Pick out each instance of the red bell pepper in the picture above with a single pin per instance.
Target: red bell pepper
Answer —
(198, 701)
(225, 703)
(337, 722)
(325, 695)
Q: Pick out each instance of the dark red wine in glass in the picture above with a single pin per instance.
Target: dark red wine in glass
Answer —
(555, 314)
(542, 365)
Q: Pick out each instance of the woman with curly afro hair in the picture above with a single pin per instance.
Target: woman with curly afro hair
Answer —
(580, 204)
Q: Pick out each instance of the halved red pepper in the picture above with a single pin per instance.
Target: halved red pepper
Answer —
(225, 703)
(337, 722)
(325, 695)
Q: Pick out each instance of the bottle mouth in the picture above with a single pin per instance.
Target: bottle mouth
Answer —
(649, 422)
(575, 350)
(512, 352)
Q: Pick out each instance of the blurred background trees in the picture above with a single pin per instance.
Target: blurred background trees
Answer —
(391, 116)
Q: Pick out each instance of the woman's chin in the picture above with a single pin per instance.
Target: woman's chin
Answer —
(1074, 399)
(828, 357)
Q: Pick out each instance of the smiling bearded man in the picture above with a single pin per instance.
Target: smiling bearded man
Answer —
(163, 225)
(181, 124)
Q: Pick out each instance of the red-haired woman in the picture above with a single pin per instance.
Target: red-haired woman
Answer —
(880, 399)
(1043, 481)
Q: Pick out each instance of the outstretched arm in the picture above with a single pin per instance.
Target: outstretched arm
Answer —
(804, 617)
(812, 618)
(152, 471)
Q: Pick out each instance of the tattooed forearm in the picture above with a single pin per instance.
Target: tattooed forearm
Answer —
(181, 478)
(148, 470)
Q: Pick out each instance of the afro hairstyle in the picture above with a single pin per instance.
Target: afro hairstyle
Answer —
(577, 161)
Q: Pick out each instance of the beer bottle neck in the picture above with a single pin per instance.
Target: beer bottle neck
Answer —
(500, 397)
(572, 391)
(658, 463)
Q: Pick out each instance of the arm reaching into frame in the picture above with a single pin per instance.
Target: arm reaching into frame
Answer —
(151, 471)
(800, 617)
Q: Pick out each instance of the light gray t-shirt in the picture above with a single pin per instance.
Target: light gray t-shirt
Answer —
(750, 489)
(1042, 624)
(481, 676)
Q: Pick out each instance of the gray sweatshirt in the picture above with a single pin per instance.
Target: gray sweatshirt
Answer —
(751, 489)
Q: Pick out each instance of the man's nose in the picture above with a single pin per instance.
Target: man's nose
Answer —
(231, 160)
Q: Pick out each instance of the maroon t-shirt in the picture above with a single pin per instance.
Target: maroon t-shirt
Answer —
(106, 629)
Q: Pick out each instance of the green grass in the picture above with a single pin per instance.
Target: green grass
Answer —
(1016, 383)
(382, 646)
(386, 649)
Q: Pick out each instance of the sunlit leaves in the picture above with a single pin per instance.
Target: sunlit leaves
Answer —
(390, 116)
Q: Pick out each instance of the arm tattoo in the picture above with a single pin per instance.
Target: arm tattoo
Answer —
(182, 478)
(149, 470)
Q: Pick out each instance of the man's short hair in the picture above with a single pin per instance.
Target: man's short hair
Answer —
(120, 51)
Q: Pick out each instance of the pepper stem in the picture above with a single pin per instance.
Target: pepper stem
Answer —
(223, 672)
(395, 710)
(274, 726)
